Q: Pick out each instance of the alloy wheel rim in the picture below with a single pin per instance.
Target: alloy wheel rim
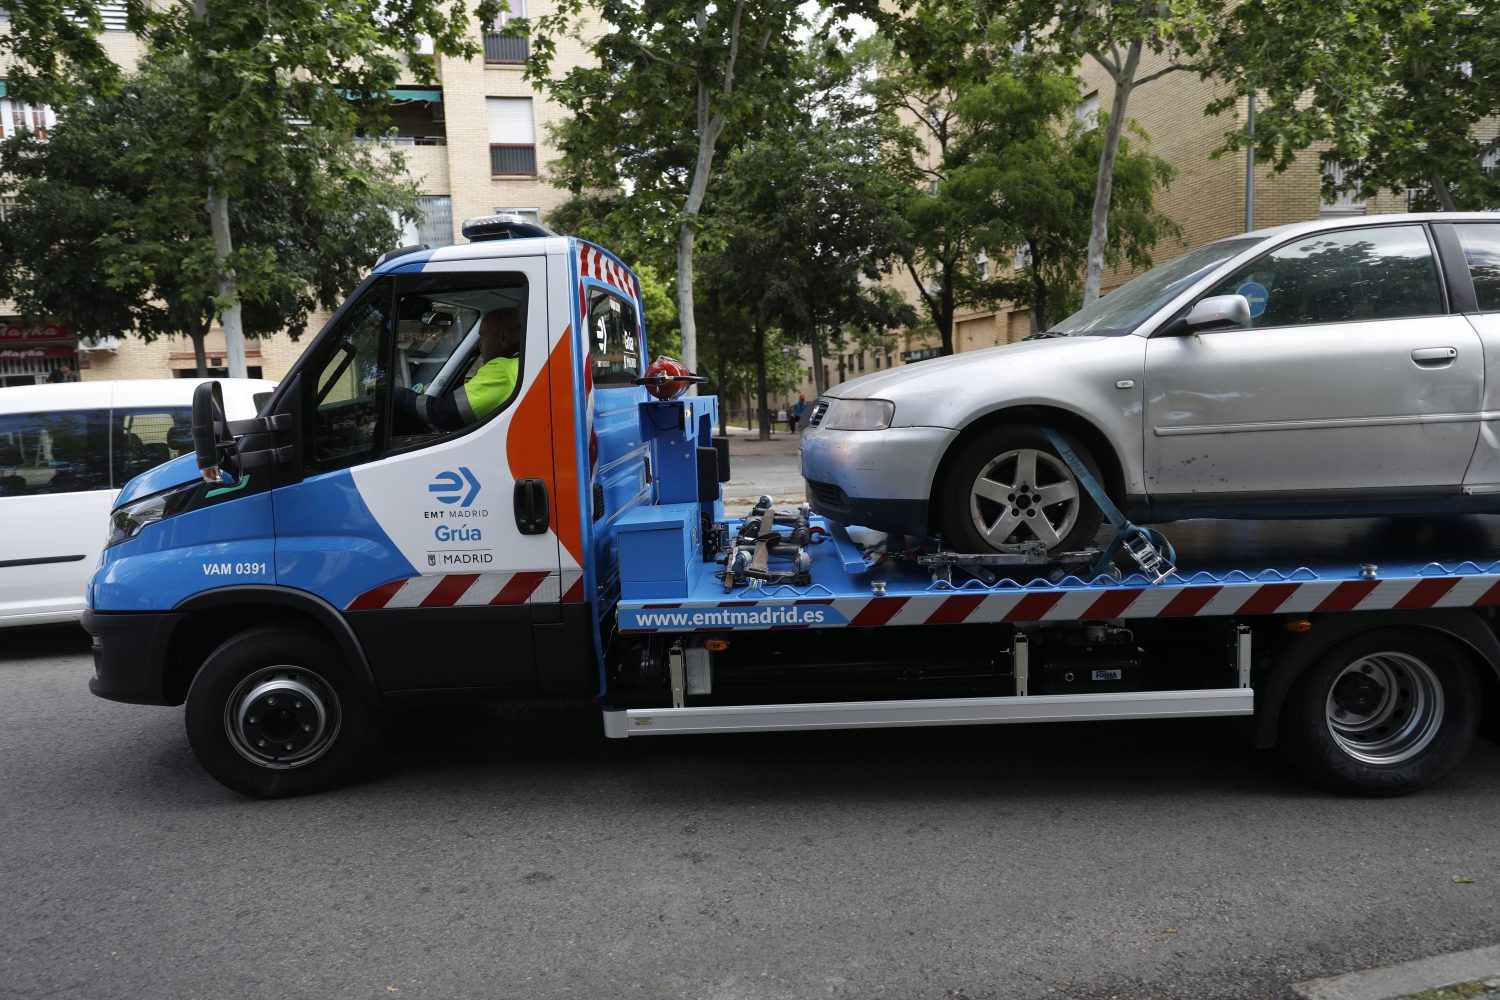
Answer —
(282, 717)
(1385, 708)
(1024, 495)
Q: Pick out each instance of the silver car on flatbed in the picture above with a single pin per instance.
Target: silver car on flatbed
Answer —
(1338, 368)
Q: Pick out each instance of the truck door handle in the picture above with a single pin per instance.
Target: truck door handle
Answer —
(531, 506)
(1434, 357)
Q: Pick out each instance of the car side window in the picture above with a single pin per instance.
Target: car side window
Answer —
(59, 452)
(141, 439)
(614, 342)
(350, 387)
(1385, 272)
(1481, 243)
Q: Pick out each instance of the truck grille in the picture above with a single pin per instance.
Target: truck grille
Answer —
(816, 417)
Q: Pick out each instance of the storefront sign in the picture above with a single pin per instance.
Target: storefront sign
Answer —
(12, 333)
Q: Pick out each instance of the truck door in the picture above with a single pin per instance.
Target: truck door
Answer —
(424, 508)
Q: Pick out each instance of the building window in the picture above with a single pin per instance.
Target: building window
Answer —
(512, 137)
(531, 215)
(7, 208)
(435, 226)
(507, 48)
(114, 17)
(1342, 202)
(17, 117)
(1087, 112)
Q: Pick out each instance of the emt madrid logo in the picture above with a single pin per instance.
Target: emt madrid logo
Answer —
(455, 487)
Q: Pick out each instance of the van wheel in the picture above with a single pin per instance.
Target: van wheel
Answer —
(1008, 486)
(276, 712)
(1385, 713)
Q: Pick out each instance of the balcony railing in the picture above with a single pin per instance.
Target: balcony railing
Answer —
(500, 48)
(513, 161)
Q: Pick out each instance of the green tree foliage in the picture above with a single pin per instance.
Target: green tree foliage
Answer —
(671, 85)
(805, 219)
(257, 76)
(1118, 35)
(104, 238)
(1001, 172)
(1401, 94)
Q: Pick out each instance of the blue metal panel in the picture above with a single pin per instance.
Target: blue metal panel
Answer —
(226, 544)
(329, 543)
(182, 469)
(660, 550)
(407, 263)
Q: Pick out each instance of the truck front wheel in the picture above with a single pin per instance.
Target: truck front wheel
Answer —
(1385, 713)
(275, 712)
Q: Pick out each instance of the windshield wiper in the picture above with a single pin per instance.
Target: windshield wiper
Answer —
(1044, 335)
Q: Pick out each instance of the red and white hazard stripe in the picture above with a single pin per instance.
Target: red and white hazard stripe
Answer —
(468, 590)
(592, 263)
(956, 607)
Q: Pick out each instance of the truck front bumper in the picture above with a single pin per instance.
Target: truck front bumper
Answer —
(130, 656)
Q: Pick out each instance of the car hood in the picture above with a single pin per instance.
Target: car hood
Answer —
(939, 374)
(175, 472)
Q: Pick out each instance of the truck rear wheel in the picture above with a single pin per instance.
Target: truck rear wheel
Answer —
(1385, 713)
(275, 712)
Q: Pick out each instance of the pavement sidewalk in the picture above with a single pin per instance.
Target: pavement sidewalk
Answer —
(1462, 975)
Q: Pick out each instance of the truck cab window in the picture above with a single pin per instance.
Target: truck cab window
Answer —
(349, 386)
(460, 340)
(614, 341)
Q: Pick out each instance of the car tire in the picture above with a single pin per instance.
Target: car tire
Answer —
(999, 453)
(1348, 728)
(276, 712)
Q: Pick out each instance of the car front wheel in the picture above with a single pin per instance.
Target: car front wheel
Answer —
(1010, 487)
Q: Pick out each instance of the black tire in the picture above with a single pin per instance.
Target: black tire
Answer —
(956, 517)
(1308, 738)
(332, 734)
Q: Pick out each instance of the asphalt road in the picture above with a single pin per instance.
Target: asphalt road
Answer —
(497, 859)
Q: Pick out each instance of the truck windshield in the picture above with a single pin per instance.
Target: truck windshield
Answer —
(1130, 305)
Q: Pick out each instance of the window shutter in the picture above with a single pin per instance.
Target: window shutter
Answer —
(510, 121)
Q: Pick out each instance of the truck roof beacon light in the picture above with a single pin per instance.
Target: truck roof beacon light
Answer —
(502, 227)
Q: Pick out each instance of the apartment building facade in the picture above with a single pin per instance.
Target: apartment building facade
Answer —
(475, 141)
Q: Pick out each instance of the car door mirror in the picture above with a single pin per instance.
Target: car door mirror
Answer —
(1215, 312)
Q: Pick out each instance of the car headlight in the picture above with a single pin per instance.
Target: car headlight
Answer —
(858, 415)
(126, 522)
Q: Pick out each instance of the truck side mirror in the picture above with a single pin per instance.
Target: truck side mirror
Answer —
(210, 431)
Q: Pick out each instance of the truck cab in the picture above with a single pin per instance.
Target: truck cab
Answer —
(348, 554)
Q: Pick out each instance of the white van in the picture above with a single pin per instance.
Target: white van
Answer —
(65, 451)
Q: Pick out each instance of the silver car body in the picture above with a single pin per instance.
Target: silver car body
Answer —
(1318, 420)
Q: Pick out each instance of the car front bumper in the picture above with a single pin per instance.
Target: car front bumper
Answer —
(878, 479)
(130, 656)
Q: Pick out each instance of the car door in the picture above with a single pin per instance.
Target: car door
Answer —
(54, 503)
(1471, 252)
(1352, 381)
(435, 543)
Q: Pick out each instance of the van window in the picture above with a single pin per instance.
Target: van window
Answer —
(614, 344)
(142, 439)
(43, 453)
(350, 386)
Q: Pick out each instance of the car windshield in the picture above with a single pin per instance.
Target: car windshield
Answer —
(1130, 305)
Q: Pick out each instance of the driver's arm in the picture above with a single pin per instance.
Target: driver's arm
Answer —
(449, 412)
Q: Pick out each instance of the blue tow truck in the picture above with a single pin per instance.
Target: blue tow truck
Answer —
(308, 572)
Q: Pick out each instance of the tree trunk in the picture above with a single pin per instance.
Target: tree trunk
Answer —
(819, 381)
(200, 351)
(1443, 192)
(1039, 304)
(1105, 181)
(945, 313)
(218, 224)
(761, 403)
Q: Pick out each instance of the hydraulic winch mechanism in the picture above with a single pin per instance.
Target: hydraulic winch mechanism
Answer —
(748, 559)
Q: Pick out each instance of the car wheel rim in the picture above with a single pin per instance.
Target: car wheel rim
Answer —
(1385, 708)
(282, 717)
(1024, 495)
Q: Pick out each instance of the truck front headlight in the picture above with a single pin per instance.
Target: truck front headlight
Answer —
(859, 415)
(126, 522)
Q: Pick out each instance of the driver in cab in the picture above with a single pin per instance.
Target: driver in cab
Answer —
(499, 349)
